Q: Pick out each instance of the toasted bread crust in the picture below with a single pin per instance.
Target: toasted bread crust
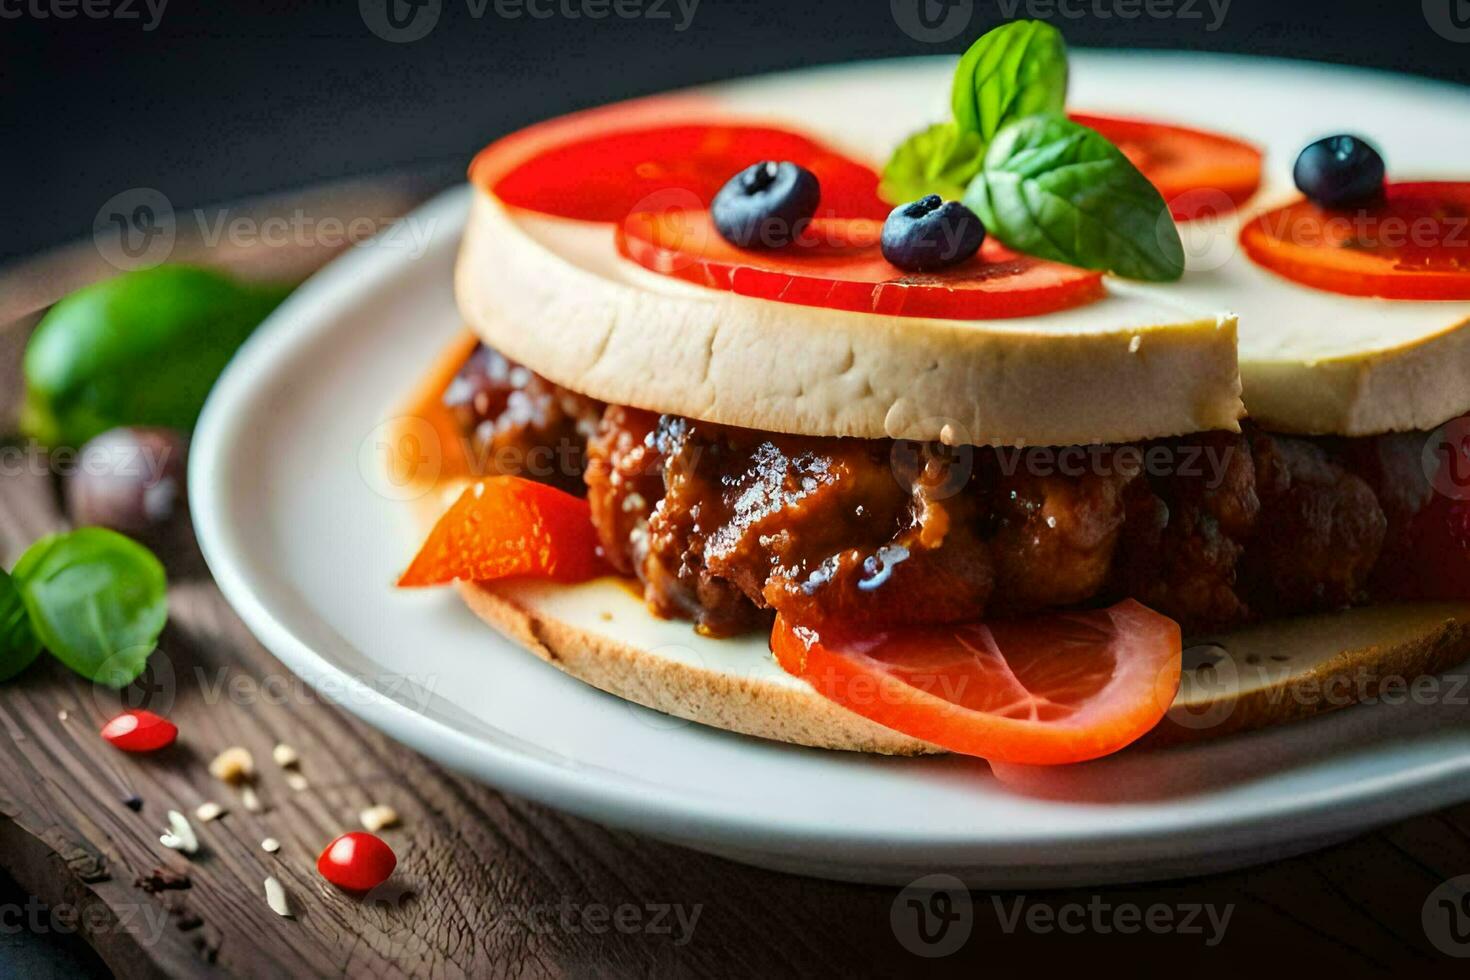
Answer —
(1286, 670)
(737, 703)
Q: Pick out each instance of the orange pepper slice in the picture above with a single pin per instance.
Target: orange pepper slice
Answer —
(506, 527)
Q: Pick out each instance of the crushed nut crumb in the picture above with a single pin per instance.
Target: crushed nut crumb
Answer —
(270, 845)
(209, 811)
(249, 800)
(180, 834)
(296, 781)
(234, 765)
(285, 756)
(375, 818)
(275, 897)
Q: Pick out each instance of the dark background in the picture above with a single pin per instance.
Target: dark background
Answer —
(224, 99)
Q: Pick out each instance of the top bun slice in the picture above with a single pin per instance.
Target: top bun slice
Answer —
(554, 294)
(1150, 360)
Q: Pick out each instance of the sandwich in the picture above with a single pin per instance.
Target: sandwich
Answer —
(772, 418)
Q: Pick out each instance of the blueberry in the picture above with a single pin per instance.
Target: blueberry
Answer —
(931, 234)
(1339, 171)
(766, 205)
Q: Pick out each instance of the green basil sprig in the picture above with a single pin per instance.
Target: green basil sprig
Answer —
(939, 160)
(97, 600)
(1014, 71)
(1058, 190)
(18, 643)
(1011, 72)
(1042, 185)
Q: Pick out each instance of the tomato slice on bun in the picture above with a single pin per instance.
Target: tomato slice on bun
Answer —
(1065, 687)
(838, 264)
(603, 175)
(1413, 244)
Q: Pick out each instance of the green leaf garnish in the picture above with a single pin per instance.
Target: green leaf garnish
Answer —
(97, 600)
(18, 643)
(1058, 190)
(1043, 185)
(1017, 70)
(939, 160)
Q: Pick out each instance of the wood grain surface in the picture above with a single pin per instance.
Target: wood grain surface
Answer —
(488, 884)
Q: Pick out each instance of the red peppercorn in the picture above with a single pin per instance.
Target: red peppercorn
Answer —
(357, 861)
(138, 730)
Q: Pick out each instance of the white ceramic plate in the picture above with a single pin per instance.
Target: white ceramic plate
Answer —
(305, 537)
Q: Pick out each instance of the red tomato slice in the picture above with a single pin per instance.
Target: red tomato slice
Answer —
(838, 264)
(1414, 244)
(606, 175)
(1200, 174)
(1059, 688)
(505, 526)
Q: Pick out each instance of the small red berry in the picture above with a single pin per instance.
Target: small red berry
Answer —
(138, 730)
(357, 861)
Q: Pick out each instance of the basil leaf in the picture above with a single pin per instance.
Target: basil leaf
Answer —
(97, 600)
(18, 643)
(1058, 190)
(1017, 70)
(939, 160)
